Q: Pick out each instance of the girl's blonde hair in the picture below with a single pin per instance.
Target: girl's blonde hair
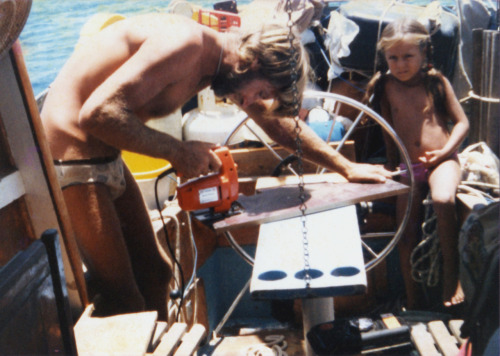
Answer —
(407, 30)
(410, 31)
(267, 54)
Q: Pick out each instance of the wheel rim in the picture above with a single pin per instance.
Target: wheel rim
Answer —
(376, 257)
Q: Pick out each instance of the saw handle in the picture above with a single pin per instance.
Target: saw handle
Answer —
(217, 190)
(215, 149)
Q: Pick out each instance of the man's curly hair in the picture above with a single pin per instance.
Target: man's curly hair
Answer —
(267, 55)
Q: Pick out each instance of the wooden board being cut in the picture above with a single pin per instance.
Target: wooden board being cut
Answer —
(283, 202)
(335, 257)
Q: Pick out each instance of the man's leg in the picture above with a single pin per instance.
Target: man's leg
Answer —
(103, 249)
(152, 272)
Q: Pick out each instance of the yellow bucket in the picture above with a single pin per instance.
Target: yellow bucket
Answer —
(145, 170)
(144, 167)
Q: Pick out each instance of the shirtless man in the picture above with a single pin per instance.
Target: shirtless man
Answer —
(143, 68)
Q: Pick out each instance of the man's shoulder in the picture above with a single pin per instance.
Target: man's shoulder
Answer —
(163, 23)
(165, 29)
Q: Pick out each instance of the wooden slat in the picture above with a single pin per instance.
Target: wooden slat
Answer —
(11, 188)
(446, 343)
(423, 341)
(128, 334)
(455, 326)
(160, 330)
(170, 340)
(191, 341)
(283, 202)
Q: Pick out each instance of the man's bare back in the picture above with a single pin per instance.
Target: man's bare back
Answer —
(140, 66)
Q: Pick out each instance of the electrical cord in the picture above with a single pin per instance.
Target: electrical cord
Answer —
(170, 249)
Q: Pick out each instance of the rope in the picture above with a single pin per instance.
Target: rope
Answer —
(275, 346)
(425, 258)
(483, 99)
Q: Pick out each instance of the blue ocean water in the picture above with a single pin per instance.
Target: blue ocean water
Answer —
(53, 28)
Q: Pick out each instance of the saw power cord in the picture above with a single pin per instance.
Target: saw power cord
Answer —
(191, 286)
(174, 294)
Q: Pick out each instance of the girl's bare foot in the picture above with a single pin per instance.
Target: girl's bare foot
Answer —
(457, 298)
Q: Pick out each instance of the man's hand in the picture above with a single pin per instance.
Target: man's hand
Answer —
(361, 172)
(195, 158)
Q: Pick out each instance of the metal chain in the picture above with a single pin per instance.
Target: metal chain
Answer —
(298, 142)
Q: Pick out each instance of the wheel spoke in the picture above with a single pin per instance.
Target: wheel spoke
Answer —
(369, 249)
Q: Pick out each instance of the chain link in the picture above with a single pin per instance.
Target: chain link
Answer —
(298, 143)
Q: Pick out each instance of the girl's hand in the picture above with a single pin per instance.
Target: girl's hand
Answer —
(432, 158)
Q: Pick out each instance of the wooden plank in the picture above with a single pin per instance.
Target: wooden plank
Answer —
(128, 334)
(446, 343)
(254, 162)
(160, 330)
(423, 341)
(31, 153)
(455, 325)
(170, 340)
(273, 182)
(283, 202)
(335, 257)
(11, 188)
(191, 341)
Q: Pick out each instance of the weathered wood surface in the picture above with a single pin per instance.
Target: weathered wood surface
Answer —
(191, 341)
(435, 339)
(283, 202)
(335, 257)
(423, 341)
(446, 343)
(455, 325)
(171, 340)
(129, 334)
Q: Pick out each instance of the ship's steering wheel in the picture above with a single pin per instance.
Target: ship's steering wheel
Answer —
(372, 258)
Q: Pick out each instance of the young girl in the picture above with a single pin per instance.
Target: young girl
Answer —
(419, 103)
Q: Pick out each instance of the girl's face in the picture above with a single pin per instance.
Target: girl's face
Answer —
(405, 60)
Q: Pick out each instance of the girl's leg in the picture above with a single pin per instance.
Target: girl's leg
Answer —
(443, 182)
(103, 249)
(152, 272)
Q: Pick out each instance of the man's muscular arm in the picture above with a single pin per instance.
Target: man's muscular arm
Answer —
(109, 114)
(282, 130)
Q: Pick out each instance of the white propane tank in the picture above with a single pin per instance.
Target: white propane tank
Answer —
(213, 122)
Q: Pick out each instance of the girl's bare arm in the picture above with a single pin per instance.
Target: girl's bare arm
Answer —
(457, 116)
(459, 132)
